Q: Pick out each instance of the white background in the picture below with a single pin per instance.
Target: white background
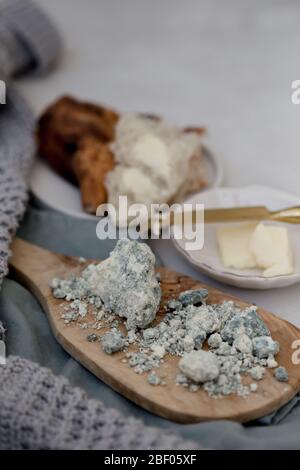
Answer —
(228, 65)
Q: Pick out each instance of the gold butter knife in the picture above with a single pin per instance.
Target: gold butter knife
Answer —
(290, 215)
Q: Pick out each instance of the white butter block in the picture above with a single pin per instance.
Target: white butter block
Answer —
(234, 245)
(271, 247)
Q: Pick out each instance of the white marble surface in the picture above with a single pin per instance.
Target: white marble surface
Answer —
(228, 65)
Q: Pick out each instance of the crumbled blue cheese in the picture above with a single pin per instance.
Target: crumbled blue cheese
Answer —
(80, 307)
(188, 344)
(112, 342)
(199, 366)
(142, 362)
(198, 334)
(181, 379)
(179, 332)
(257, 372)
(263, 346)
(271, 362)
(92, 338)
(224, 349)
(281, 374)
(214, 341)
(203, 317)
(253, 387)
(150, 334)
(243, 344)
(158, 351)
(126, 285)
(244, 322)
(70, 289)
(174, 305)
(193, 297)
(154, 379)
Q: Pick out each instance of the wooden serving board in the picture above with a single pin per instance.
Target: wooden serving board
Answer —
(35, 267)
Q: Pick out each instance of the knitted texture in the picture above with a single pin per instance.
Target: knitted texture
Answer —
(16, 150)
(41, 411)
(27, 40)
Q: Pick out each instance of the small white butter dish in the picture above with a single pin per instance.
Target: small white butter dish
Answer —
(208, 260)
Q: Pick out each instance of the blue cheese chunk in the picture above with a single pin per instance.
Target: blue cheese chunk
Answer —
(243, 344)
(174, 305)
(149, 334)
(257, 372)
(204, 318)
(264, 346)
(112, 342)
(199, 366)
(193, 297)
(154, 379)
(281, 374)
(214, 341)
(247, 322)
(127, 284)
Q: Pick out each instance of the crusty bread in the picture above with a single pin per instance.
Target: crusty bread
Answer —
(91, 163)
(63, 125)
(196, 180)
(74, 138)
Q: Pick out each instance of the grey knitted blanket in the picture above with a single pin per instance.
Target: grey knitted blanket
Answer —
(37, 409)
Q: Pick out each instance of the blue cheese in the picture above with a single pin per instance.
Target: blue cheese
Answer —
(214, 341)
(188, 344)
(257, 372)
(203, 317)
(112, 342)
(193, 297)
(149, 334)
(174, 305)
(158, 351)
(264, 346)
(253, 387)
(154, 379)
(247, 322)
(243, 344)
(127, 284)
(199, 366)
(281, 374)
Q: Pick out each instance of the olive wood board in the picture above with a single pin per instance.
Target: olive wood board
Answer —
(35, 267)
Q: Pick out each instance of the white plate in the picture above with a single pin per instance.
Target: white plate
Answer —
(208, 260)
(54, 192)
